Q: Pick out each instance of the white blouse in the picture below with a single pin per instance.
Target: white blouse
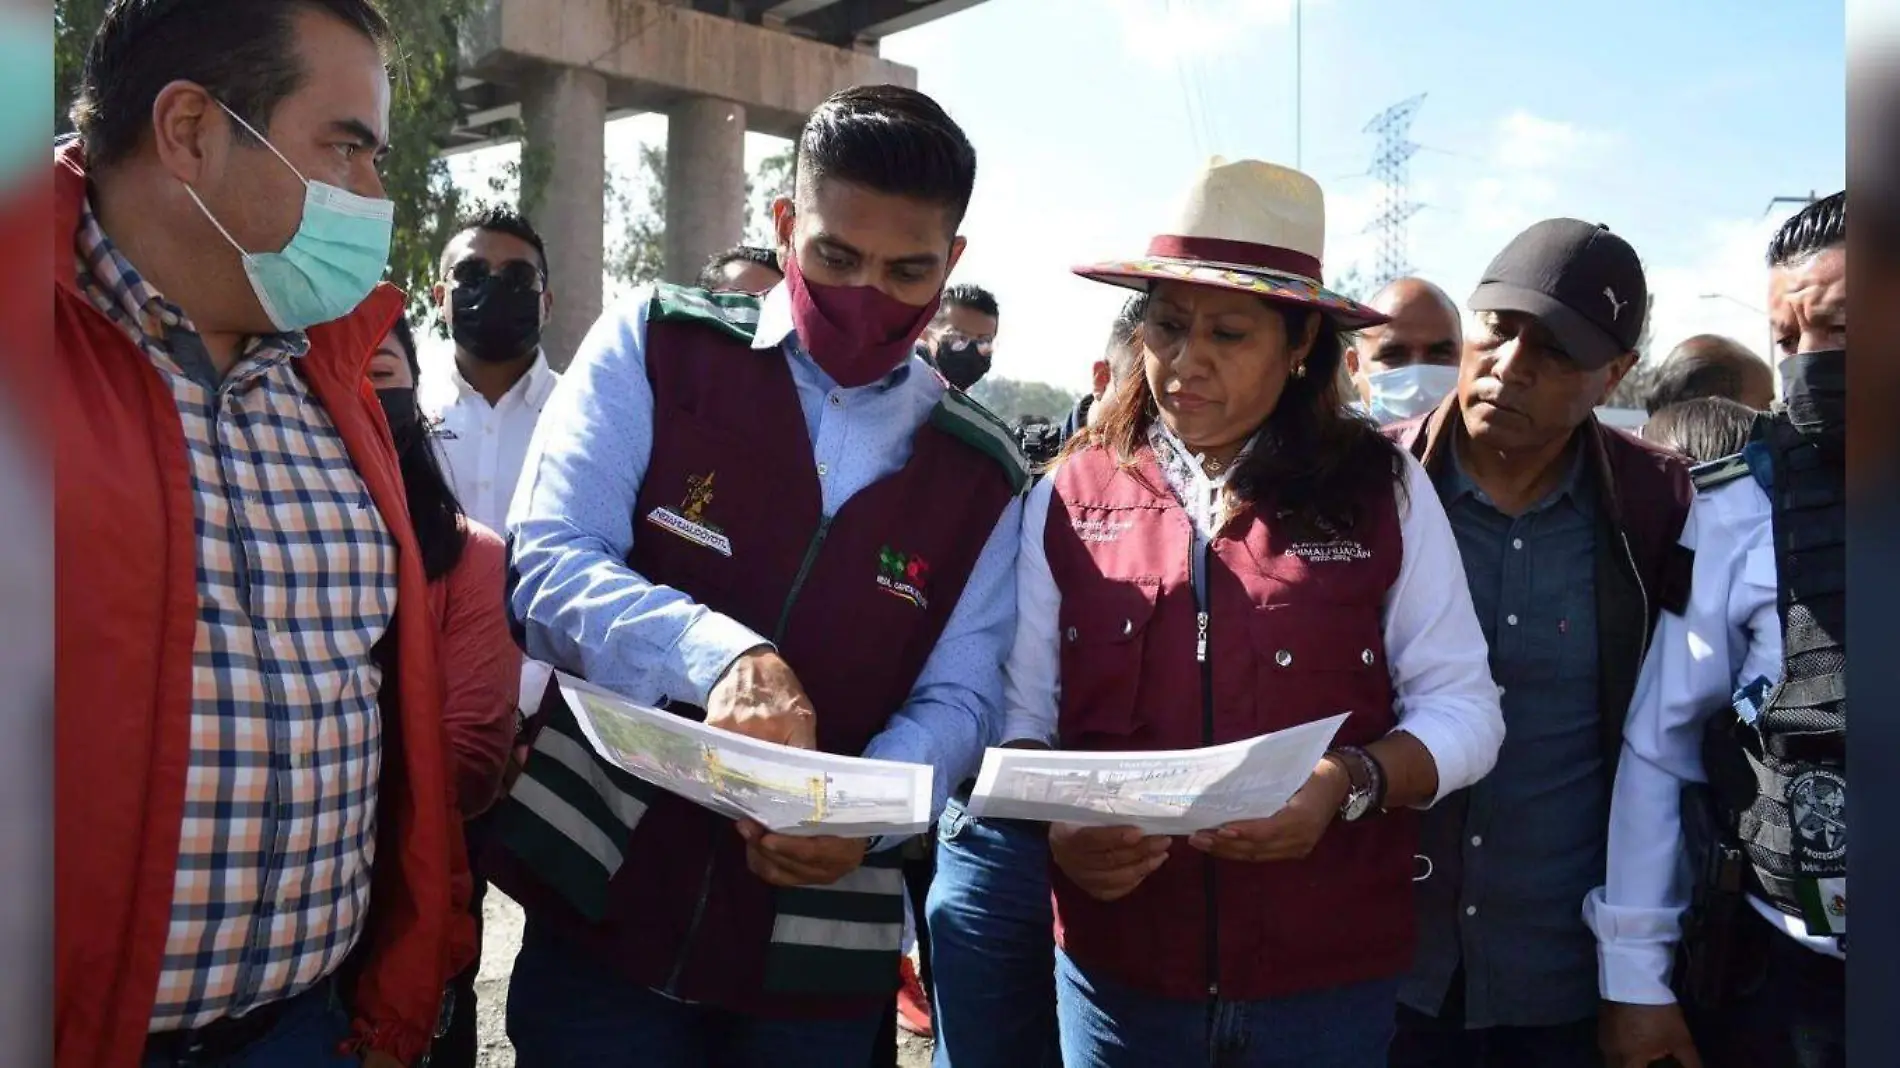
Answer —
(1443, 694)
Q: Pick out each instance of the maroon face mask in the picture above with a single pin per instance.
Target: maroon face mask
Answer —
(856, 334)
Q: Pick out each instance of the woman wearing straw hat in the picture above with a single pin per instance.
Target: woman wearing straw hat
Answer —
(1227, 553)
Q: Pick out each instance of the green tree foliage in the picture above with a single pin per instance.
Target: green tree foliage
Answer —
(1012, 400)
(772, 181)
(636, 215)
(636, 211)
(423, 109)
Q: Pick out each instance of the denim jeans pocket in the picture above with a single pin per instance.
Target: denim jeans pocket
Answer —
(949, 825)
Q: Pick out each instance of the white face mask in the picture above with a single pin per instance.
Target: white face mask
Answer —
(1407, 392)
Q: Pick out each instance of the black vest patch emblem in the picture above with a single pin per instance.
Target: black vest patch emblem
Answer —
(1817, 817)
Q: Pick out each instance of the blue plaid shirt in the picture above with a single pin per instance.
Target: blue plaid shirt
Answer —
(296, 583)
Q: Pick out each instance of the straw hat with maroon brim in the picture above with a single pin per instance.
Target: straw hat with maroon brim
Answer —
(1249, 226)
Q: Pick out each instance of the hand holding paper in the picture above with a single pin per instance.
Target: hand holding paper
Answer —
(1289, 834)
(786, 790)
(1108, 863)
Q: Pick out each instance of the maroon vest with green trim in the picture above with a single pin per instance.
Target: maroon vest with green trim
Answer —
(1294, 635)
(730, 514)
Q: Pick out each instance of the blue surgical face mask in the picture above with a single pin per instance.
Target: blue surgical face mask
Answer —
(1401, 393)
(335, 258)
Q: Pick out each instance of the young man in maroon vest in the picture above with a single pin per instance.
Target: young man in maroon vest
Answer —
(769, 510)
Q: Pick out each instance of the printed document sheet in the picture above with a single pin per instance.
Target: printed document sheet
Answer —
(1173, 792)
(790, 791)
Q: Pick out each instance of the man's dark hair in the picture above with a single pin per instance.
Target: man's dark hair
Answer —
(973, 297)
(1124, 337)
(244, 55)
(755, 254)
(499, 220)
(1707, 365)
(1818, 227)
(892, 140)
(1704, 429)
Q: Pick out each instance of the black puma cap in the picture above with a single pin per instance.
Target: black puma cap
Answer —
(1584, 282)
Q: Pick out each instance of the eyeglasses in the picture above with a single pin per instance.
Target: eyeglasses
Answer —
(952, 337)
(515, 274)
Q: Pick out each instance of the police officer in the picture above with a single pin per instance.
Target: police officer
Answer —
(1745, 692)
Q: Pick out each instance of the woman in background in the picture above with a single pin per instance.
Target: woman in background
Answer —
(465, 563)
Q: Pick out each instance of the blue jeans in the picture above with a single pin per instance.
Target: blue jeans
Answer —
(1108, 1025)
(567, 1010)
(307, 1036)
(992, 944)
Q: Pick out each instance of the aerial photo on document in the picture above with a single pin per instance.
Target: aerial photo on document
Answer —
(1171, 792)
(790, 791)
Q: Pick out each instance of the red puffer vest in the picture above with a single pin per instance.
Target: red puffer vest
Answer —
(1293, 635)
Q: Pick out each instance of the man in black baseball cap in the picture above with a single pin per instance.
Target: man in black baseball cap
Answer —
(1564, 526)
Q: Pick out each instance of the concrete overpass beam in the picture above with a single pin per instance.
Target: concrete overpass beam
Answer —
(565, 113)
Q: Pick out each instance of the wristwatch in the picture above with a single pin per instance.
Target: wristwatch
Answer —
(1367, 779)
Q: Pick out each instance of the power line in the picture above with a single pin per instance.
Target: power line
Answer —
(1196, 124)
(1197, 73)
(1390, 166)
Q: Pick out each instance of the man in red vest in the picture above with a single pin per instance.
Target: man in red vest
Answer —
(256, 832)
(767, 512)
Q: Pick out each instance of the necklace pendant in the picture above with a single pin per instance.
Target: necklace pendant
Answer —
(1214, 466)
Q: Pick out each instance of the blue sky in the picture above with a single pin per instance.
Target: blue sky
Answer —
(1672, 121)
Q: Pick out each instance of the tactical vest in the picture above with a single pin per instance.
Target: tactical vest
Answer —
(1779, 765)
(730, 513)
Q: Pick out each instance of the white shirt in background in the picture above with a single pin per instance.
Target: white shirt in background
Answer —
(1727, 636)
(483, 448)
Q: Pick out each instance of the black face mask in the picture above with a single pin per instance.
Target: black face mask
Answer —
(1815, 385)
(963, 362)
(399, 406)
(495, 321)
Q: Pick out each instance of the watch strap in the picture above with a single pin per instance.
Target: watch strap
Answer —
(1365, 774)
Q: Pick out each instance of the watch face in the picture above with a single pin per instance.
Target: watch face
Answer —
(1357, 803)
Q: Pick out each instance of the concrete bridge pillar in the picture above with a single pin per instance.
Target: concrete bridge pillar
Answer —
(705, 182)
(565, 112)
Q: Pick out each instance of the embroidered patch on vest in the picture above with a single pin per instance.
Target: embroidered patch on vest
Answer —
(1817, 814)
(904, 576)
(1329, 552)
(733, 314)
(689, 520)
(1823, 906)
(974, 425)
(1102, 531)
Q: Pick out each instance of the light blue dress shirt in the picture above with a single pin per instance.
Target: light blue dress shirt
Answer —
(585, 611)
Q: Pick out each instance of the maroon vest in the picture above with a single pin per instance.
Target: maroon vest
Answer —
(1294, 635)
(855, 606)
